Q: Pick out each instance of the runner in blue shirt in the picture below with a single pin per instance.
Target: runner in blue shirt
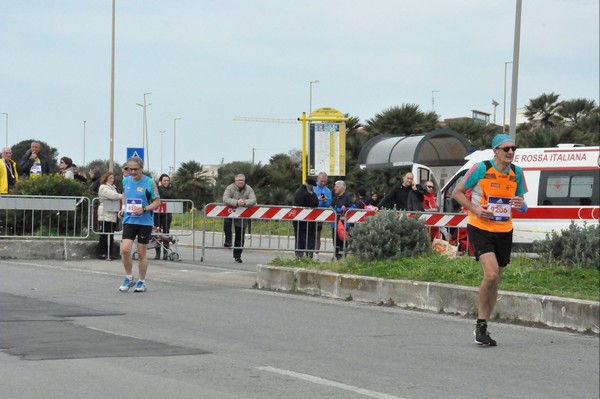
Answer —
(140, 199)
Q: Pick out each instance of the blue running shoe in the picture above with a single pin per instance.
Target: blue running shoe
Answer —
(127, 284)
(140, 287)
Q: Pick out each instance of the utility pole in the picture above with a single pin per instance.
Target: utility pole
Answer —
(495, 105)
(174, 143)
(433, 99)
(161, 150)
(84, 122)
(145, 133)
(6, 114)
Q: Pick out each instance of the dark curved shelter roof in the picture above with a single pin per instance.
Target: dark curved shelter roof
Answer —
(443, 147)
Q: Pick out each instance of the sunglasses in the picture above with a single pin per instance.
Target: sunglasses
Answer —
(134, 169)
(429, 186)
(505, 149)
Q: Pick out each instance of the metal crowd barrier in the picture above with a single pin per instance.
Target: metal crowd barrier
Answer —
(269, 228)
(178, 214)
(49, 217)
(449, 226)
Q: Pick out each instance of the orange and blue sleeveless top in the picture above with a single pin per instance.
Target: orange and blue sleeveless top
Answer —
(495, 188)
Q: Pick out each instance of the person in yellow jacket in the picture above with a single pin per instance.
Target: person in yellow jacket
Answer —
(9, 176)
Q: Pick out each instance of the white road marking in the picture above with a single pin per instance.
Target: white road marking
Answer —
(334, 384)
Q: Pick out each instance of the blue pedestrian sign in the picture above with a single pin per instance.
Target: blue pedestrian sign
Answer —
(135, 152)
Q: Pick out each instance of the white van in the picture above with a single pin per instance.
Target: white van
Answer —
(563, 185)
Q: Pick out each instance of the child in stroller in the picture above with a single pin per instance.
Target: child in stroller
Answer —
(161, 241)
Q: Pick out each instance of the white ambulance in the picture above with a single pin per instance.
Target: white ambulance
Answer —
(563, 185)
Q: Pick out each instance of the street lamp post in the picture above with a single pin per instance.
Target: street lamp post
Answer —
(174, 142)
(504, 111)
(145, 132)
(433, 99)
(6, 114)
(162, 133)
(84, 122)
(112, 93)
(310, 97)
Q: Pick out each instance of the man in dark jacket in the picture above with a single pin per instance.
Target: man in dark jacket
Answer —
(405, 196)
(34, 163)
(305, 232)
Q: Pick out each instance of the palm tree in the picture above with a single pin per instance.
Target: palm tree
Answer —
(542, 111)
(191, 182)
(403, 121)
(574, 110)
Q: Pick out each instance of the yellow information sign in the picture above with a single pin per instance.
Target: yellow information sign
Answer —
(326, 143)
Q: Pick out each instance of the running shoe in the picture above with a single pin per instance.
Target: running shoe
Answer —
(140, 287)
(127, 284)
(482, 337)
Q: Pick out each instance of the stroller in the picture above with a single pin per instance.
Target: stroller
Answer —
(158, 240)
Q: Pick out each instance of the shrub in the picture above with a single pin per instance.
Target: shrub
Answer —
(577, 246)
(389, 234)
(48, 222)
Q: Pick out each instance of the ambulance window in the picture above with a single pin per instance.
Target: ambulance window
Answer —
(581, 186)
(557, 187)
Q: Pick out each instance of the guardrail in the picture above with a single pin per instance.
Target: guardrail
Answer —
(49, 217)
(449, 226)
(270, 228)
(174, 211)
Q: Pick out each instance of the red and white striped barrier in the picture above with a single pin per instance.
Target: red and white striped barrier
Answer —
(270, 213)
(431, 219)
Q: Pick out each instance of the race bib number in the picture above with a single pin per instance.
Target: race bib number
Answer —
(501, 208)
(129, 206)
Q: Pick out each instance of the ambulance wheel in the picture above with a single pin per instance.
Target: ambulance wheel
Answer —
(134, 256)
(174, 256)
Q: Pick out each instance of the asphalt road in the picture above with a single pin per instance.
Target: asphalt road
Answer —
(202, 331)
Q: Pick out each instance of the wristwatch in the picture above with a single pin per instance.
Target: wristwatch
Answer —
(144, 208)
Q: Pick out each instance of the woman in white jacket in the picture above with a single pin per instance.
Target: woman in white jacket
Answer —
(107, 219)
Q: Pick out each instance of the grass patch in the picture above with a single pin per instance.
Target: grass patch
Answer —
(524, 274)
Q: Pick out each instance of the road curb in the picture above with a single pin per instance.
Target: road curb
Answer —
(552, 311)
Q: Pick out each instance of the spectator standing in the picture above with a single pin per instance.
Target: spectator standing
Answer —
(340, 203)
(498, 188)
(430, 205)
(374, 199)
(405, 195)
(107, 219)
(8, 172)
(34, 164)
(237, 194)
(65, 168)
(324, 195)
(163, 219)
(141, 199)
(95, 182)
(363, 199)
(429, 200)
(305, 232)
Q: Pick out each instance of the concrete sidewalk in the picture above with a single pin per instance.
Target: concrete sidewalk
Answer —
(578, 315)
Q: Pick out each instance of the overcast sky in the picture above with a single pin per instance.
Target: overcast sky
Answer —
(208, 62)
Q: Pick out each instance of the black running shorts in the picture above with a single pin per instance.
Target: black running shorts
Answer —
(484, 241)
(142, 232)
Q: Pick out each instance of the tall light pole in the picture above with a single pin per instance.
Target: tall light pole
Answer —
(112, 93)
(145, 132)
(512, 130)
(504, 104)
(174, 142)
(6, 114)
(84, 122)
(433, 99)
(162, 133)
(310, 97)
